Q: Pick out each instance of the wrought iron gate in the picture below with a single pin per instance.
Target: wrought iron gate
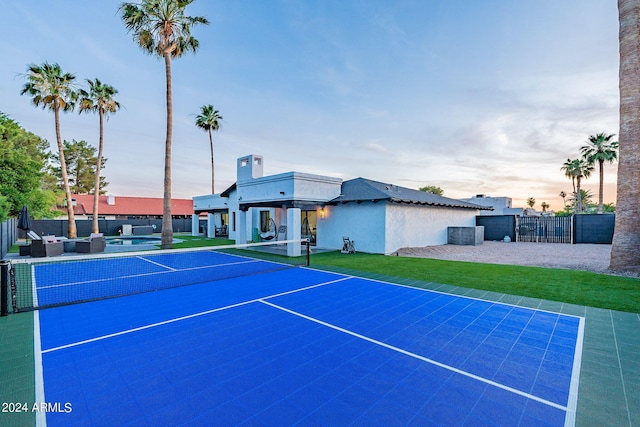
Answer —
(544, 229)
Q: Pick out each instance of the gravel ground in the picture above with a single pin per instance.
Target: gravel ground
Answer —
(557, 255)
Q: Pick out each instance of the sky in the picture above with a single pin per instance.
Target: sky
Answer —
(476, 97)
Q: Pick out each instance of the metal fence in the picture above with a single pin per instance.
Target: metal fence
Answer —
(8, 235)
(544, 229)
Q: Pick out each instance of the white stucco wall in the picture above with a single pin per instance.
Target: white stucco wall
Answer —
(364, 223)
(289, 186)
(386, 227)
(410, 225)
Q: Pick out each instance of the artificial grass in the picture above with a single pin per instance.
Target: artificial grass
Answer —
(554, 284)
(189, 241)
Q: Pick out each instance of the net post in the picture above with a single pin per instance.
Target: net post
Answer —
(4, 287)
(307, 245)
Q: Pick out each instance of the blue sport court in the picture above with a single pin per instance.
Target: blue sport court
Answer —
(287, 347)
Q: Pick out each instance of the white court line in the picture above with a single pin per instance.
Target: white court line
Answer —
(572, 405)
(130, 276)
(156, 263)
(417, 356)
(177, 319)
(41, 416)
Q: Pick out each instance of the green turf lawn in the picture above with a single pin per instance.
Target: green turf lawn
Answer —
(569, 286)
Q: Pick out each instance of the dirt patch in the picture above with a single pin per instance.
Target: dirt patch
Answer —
(587, 257)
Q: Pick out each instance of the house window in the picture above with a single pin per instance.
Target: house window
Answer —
(233, 221)
(265, 217)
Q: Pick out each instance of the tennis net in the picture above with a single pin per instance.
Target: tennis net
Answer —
(40, 283)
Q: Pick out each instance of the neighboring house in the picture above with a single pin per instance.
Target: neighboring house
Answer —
(380, 218)
(112, 207)
(498, 205)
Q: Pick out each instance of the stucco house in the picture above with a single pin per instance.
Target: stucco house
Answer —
(380, 218)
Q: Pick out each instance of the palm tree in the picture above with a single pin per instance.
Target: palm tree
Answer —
(531, 202)
(600, 149)
(544, 206)
(564, 197)
(569, 167)
(99, 99)
(50, 87)
(625, 250)
(577, 169)
(583, 200)
(583, 170)
(209, 119)
(161, 28)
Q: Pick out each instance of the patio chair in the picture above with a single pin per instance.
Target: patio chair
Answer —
(48, 246)
(282, 233)
(348, 246)
(94, 244)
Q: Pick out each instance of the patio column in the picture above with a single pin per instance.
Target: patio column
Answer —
(211, 225)
(293, 231)
(241, 227)
(195, 224)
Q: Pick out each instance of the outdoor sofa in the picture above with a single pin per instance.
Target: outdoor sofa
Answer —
(46, 246)
(95, 243)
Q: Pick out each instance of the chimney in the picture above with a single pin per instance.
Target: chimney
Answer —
(111, 200)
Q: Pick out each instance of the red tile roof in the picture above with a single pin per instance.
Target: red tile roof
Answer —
(129, 205)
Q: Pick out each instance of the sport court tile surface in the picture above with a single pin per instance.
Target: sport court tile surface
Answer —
(352, 352)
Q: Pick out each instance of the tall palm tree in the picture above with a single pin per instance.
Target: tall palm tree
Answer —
(583, 170)
(53, 89)
(209, 119)
(569, 167)
(600, 149)
(98, 99)
(161, 28)
(577, 169)
(625, 250)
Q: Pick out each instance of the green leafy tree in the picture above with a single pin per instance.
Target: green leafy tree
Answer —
(53, 89)
(161, 28)
(600, 149)
(432, 189)
(625, 249)
(23, 171)
(209, 120)
(98, 99)
(81, 161)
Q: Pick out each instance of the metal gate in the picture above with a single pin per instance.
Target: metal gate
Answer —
(544, 229)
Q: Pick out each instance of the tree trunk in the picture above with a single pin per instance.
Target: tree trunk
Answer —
(213, 191)
(578, 196)
(72, 234)
(167, 220)
(625, 251)
(601, 189)
(96, 189)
